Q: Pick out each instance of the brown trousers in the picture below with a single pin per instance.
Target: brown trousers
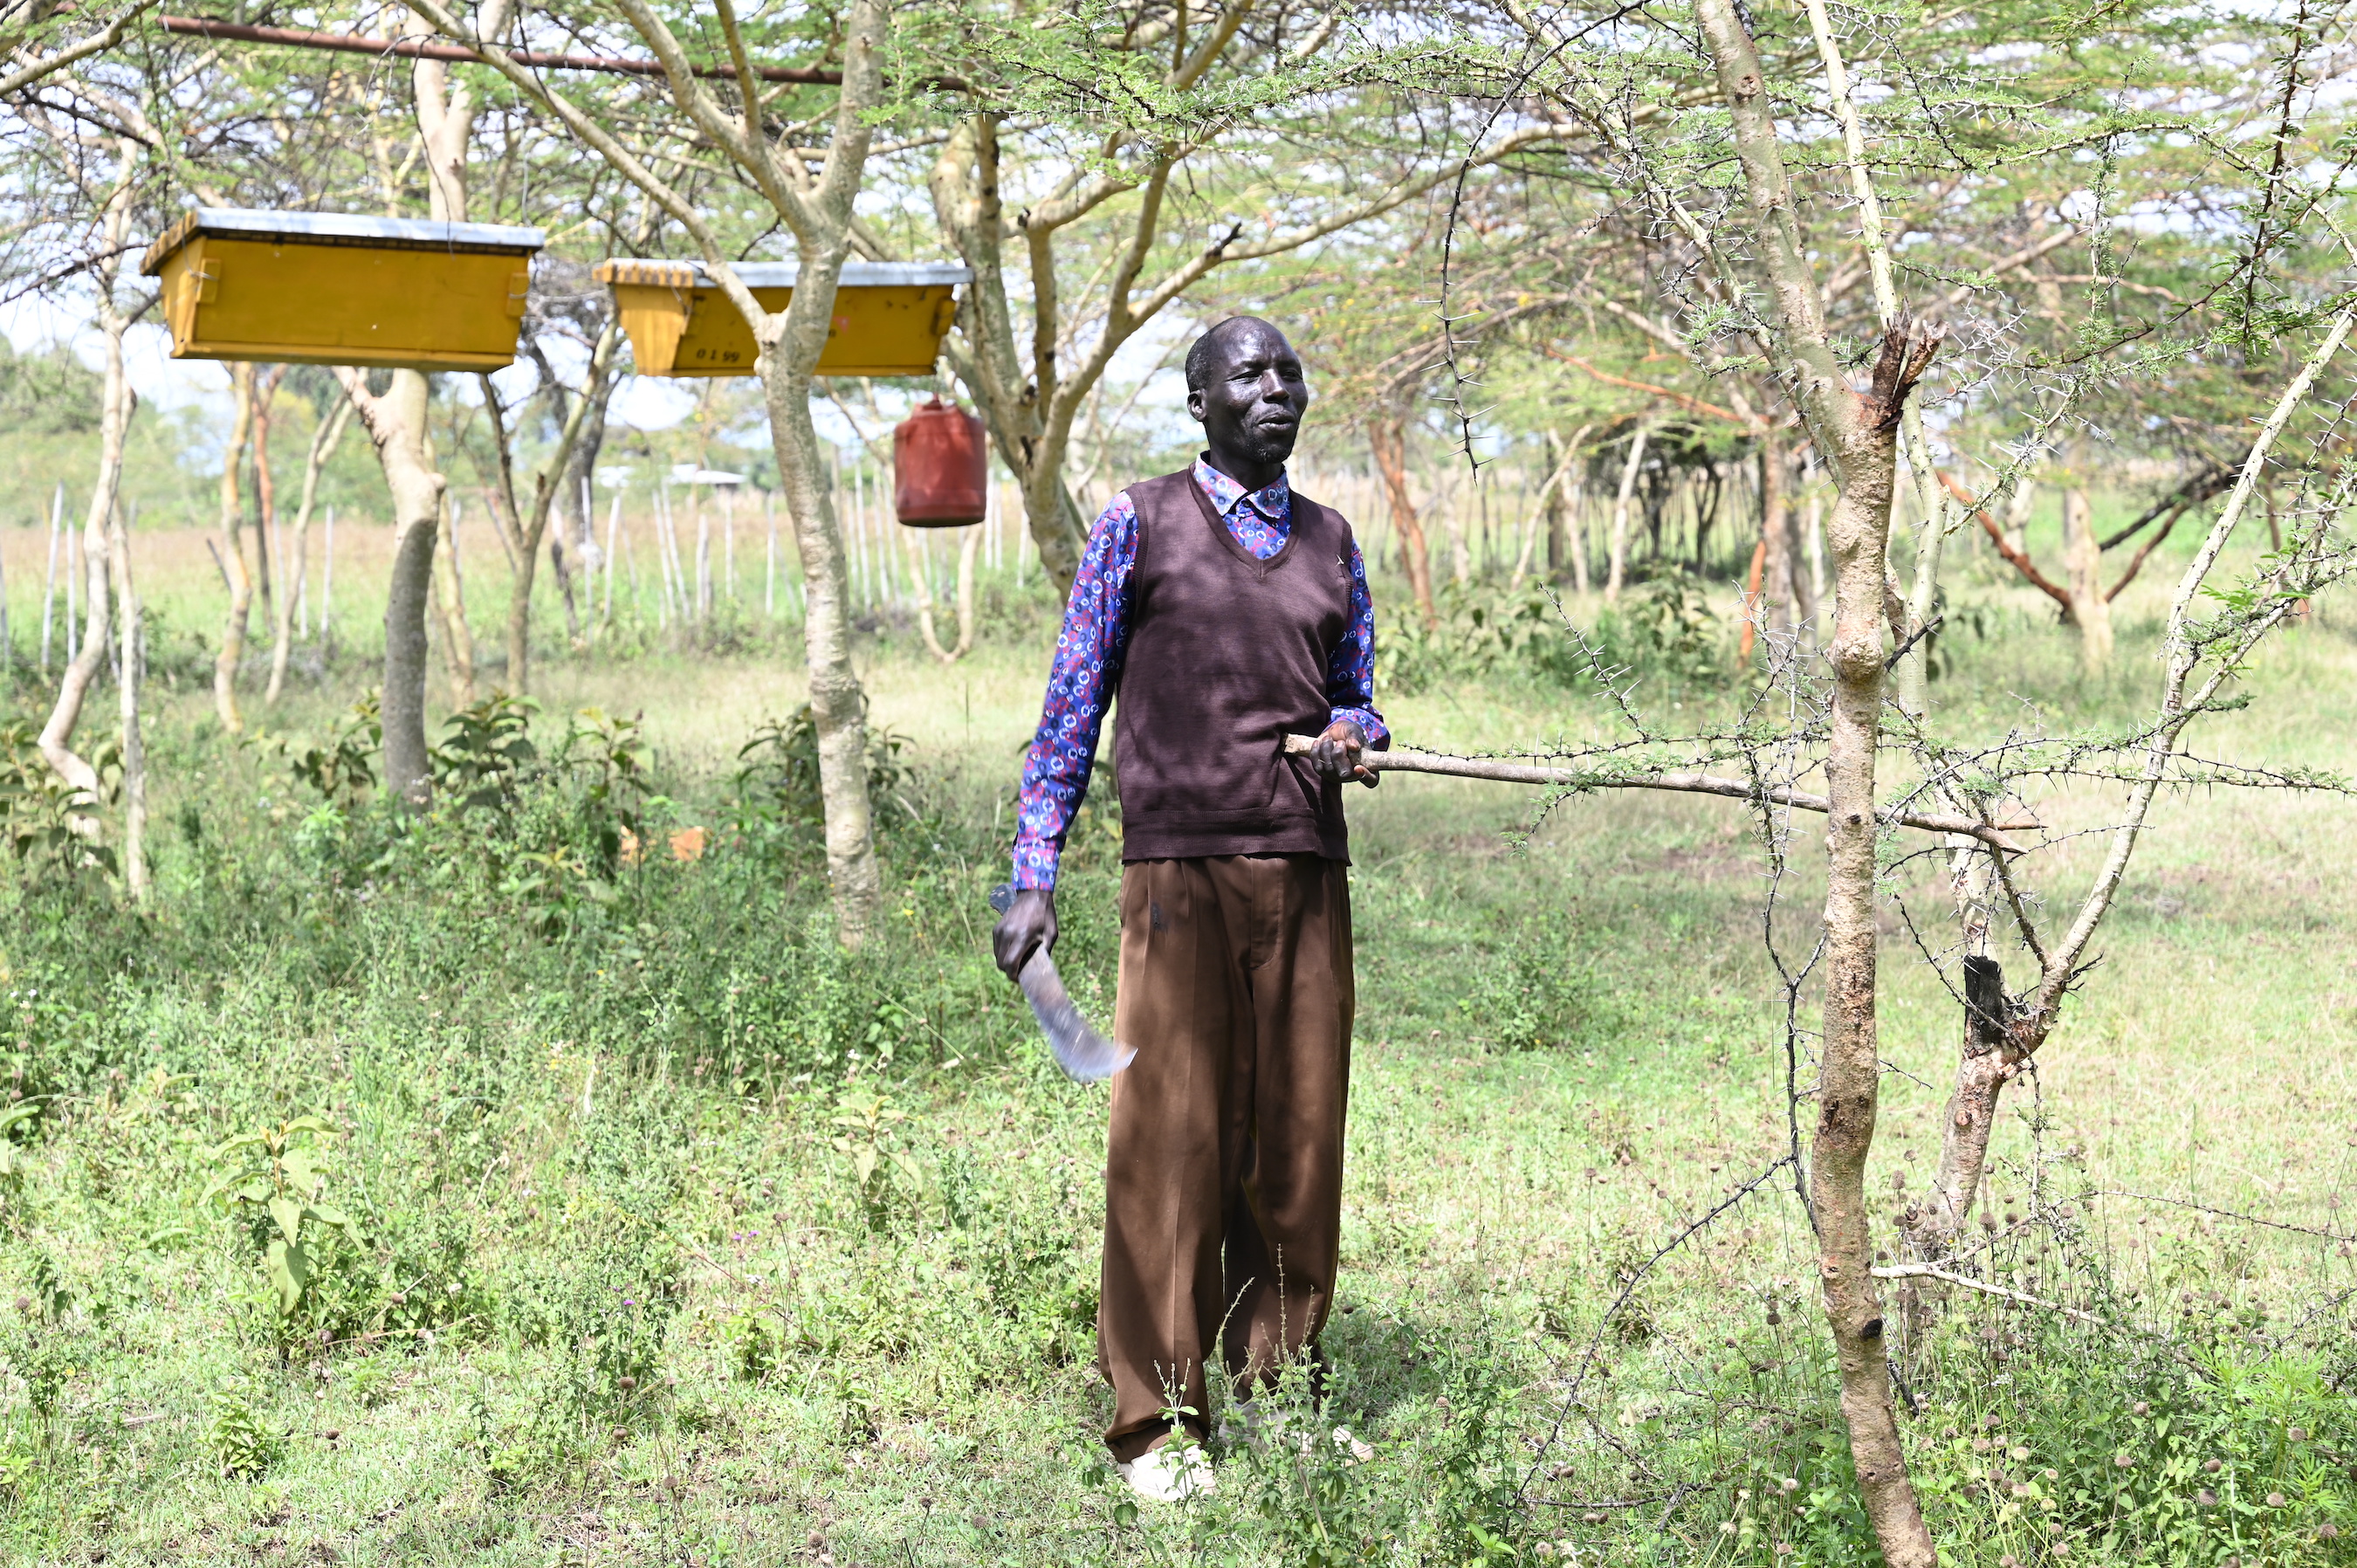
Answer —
(1223, 1170)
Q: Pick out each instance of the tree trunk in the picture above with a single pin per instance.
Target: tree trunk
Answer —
(115, 398)
(548, 490)
(1849, 1077)
(324, 442)
(920, 561)
(2017, 513)
(133, 744)
(396, 425)
(450, 599)
(2090, 610)
(266, 495)
(838, 707)
(1789, 601)
(1616, 570)
(1752, 607)
(1556, 561)
(240, 582)
(1864, 432)
(1387, 439)
(964, 187)
(575, 483)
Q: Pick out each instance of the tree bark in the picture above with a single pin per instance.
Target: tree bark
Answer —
(324, 442)
(1848, 1085)
(2091, 611)
(548, 488)
(963, 183)
(450, 600)
(575, 484)
(133, 744)
(266, 495)
(1616, 567)
(1387, 439)
(240, 581)
(116, 401)
(1790, 603)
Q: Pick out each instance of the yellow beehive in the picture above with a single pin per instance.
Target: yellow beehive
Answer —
(319, 288)
(889, 316)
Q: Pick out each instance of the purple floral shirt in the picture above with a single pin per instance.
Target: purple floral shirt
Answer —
(1089, 651)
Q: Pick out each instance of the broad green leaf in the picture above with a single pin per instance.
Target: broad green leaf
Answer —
(289, 1215)
(326, 1215)
(289, 1272)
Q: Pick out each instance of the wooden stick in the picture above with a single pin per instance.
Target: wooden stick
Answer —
(1682, 783)
(1927, 1271)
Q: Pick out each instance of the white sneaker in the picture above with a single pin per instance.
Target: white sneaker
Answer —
(1242, 1424)
(1173, 1473)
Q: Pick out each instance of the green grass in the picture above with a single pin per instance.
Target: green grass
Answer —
(612, 1290)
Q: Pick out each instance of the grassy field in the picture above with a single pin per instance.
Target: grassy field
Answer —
(590, 1272)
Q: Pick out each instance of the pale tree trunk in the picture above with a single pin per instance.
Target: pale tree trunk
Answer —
(450, 602)
(837, 704)
(575, 487)
(240, 581)
(133, 744)
(1461, 558)
(116, 401)
(547, 490)
(2091, 612)
(396, 425)
(395, 422)
(790, 344)
(265, 494)
(1862, 433)
(2017, 513)
(1787, 587)
(964, 187)
(1387, 439)
(324, 442)
(1849, 1080)
(1617, 564)
(919, 560)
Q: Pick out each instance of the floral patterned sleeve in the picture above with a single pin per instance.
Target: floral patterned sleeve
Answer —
(1080, 682)
(1351, 672)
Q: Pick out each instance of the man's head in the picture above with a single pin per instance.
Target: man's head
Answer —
(1244, 384)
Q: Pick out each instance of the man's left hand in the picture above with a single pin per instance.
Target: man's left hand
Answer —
(1336, 755)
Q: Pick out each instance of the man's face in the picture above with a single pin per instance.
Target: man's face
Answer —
(1253, 396)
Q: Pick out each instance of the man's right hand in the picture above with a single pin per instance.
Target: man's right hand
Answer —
(1028, 927)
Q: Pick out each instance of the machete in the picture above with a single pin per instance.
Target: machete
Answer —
(1085, 1055)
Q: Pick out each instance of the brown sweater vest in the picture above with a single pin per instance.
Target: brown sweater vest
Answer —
(1227, 656)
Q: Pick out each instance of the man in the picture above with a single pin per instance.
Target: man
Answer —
(1227, 613)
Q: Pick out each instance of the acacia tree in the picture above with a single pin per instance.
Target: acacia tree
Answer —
(1763, 274)
(1195, 139)
(773, 159)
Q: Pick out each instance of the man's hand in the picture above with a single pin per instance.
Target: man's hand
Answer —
(1336, 755)
(1028, 927)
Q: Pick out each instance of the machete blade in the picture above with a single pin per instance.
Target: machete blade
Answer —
(1085, 1055)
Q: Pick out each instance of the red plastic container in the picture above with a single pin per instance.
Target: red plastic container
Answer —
(943, 467)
